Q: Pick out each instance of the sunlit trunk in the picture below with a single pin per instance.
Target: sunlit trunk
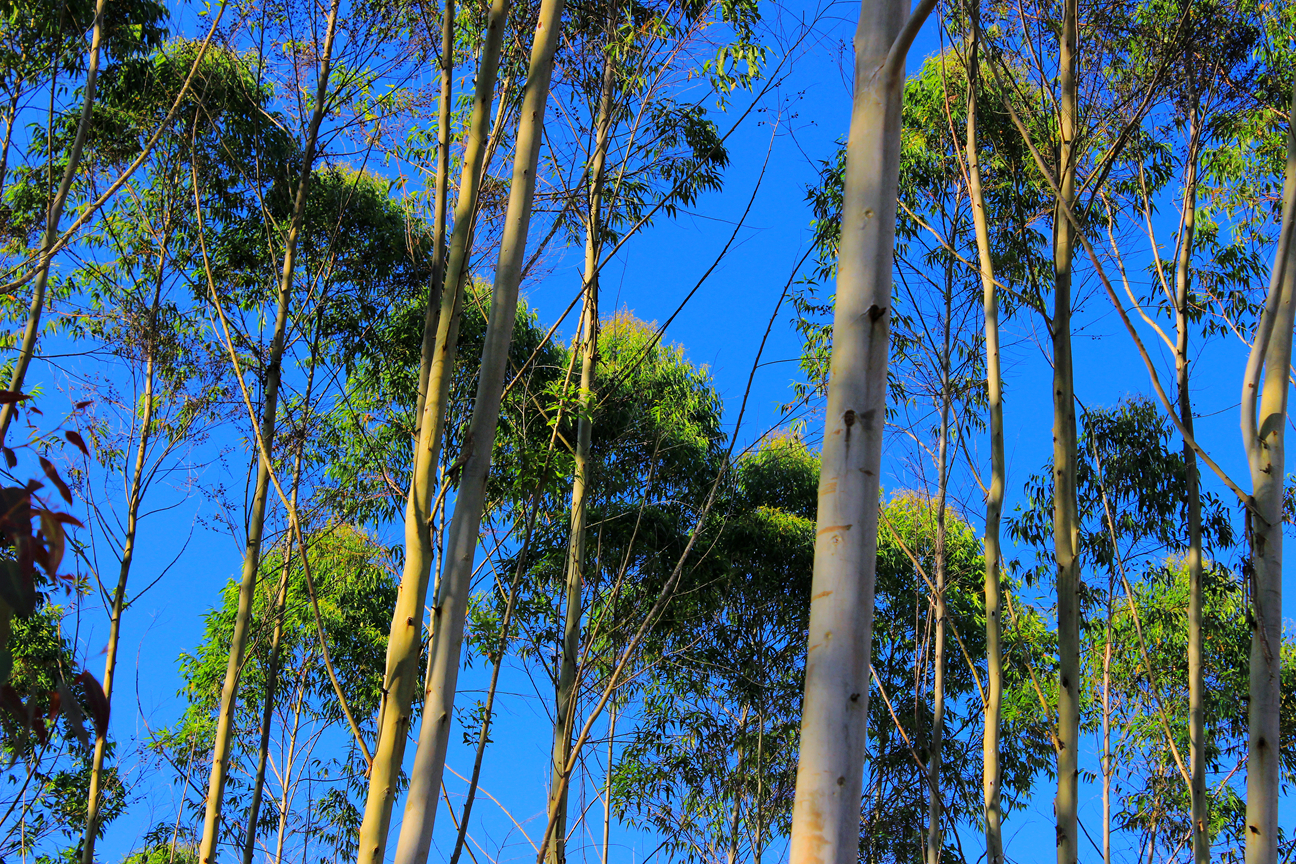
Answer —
(405, 638)
(1193, 555)
(276, 642)
(1065, 516)
(461, 544)
(1264, 421)
(566, 696)
(990, 771)
(826, 810)
(935, 837)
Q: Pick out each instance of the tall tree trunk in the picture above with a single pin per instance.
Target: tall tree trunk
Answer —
(566, 696)
(276, 639)
(990, 770)
(1196, 671)
(27, 348)
(405, 637)
(461, 545)
(935, 838)
(133, 499)
(826, 810)
(1263, 438)
(440, 207)
(223, 742)
(1107, 767)
(1065, 516)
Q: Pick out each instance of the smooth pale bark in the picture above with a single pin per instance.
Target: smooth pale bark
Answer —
(1065, 516)
(461, 543)
(566, 695)
(405, 638)
(607, 783)
(133, 498)
(27, 349)
(1264, 420)
(223, 742)
(991, 773)
(826, 810)
(1193, 555)
(440, 209)
(935, 837)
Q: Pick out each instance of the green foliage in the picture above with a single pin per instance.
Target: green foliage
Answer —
(356, 590)
(46, 770)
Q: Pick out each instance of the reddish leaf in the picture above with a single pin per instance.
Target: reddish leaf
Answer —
(96, 701)
(54, 540)
(72, 711)
(85, 404)
(75, 437)
(56, 704)
(51, 473)
(9, 397)
(12, 702)
(66, 519)
(10, 458)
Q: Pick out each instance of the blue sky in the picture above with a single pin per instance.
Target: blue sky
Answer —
(721, 327)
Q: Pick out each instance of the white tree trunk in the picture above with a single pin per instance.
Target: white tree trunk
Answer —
(406, 635)
(1262, 435)
(461, 544)
(826, 810)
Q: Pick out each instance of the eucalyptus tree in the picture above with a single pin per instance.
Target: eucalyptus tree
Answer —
(1264, 415)
(137, 302)
(40, 44)
(935, 262)
(352, 584)
(1204, 91)
(437, 358)
(825, 819)
(264, 439)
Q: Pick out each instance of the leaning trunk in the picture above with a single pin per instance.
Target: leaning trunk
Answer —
(27, 349)
(565, 701)
(276, 641)
(990, 770)
(1262, 435)
(440, 208)
(405, 639)
(935, 838)
(461, 545)
(826, 810)
(1065, 516)
(123, 573)
(223, 742)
